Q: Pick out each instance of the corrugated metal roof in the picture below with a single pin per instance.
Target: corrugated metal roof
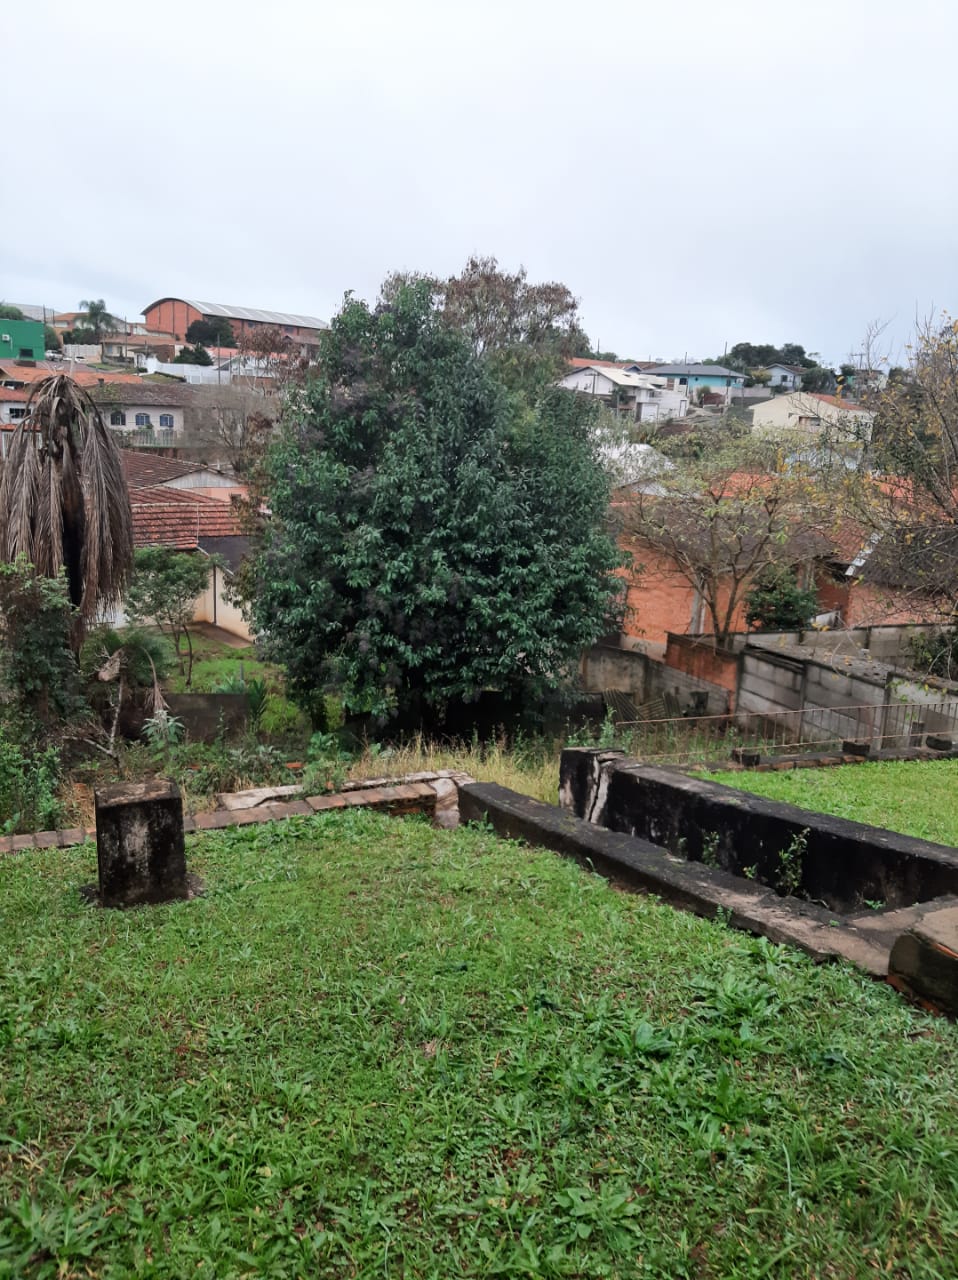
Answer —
(696, 370)
(32, 312)
(245, 313)
(624, 378)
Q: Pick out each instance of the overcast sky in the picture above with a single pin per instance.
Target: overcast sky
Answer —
(698, 174)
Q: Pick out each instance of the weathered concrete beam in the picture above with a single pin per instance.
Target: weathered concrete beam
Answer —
(641, 865)
(924, 961)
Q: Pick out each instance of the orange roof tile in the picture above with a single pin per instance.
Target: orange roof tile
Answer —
(179, 518)
(148, 470)
(583, 362)
(834, 400)
(86, 378)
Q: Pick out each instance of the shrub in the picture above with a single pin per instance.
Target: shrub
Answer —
(38, 672)
(777, 603)
(28, 783)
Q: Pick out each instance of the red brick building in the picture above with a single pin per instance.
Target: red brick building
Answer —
(175, 315)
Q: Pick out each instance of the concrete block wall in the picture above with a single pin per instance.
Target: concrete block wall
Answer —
(769, 684)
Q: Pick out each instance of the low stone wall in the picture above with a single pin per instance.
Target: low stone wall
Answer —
(435, 794)
(206, 716)
(639, 864)
(844, 865)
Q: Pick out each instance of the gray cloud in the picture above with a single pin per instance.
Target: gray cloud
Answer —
(697, 174)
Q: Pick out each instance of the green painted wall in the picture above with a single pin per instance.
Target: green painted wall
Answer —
(21, 340)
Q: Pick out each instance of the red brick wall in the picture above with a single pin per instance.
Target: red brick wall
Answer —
(661, 600)
(871, 606)
(172, 316)
(832, 594)
(700, 659)
(175, 316)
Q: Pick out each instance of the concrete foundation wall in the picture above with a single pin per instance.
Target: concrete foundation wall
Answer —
(606, 667)
(843, 864)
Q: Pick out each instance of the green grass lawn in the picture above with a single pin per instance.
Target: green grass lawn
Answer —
(374, 1049)
(916, 797)
(214, 662)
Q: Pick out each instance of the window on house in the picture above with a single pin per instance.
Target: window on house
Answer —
(26, 353)
(683, 382)
(17, 413)
(166, 419)
(117, 419)
(142, 419)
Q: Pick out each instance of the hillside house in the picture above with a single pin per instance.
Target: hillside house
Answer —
(701, 383)
(21, 340)
(139, 406)
(636, 396)
(13, 409)
(189, 521)
(814, 414)
(148, 470)
(784, 377)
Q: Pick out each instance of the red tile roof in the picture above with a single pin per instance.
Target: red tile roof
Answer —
(13, 395)
(179, 518)
(86, 378)
(144, 470)
(834, 400)
(583, 362)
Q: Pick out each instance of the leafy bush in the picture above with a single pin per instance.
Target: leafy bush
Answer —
(28, 784)
(38, 672)
(207, 768)
(282, 718)
(936, 655)
(257, 696)
(777, 603)
(146, 651)
(327, 763)
(162, 730)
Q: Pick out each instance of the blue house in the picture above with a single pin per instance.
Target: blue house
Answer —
(711, 378)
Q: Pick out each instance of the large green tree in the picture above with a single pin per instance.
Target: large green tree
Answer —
(427, 538)
(526, 331)
(214, 332)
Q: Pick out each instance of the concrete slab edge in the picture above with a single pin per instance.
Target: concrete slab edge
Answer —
(638, 864)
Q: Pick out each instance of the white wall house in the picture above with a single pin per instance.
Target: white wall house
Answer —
(788, 376)
(637, 395)
(813, 414)
(131, 416)
(13, 407)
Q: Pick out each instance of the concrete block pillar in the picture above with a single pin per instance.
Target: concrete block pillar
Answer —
(140, 850)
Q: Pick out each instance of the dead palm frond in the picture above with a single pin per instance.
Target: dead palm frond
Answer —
(64, 502)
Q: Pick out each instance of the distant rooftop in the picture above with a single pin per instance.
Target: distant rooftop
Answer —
(622, 377)
(245, 313)
(584, 362)
(695, 371)
(31, 311)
